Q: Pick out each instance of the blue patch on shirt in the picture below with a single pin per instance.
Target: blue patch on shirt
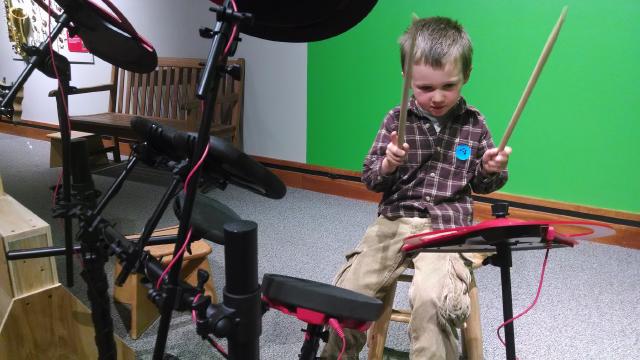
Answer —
(463, 152)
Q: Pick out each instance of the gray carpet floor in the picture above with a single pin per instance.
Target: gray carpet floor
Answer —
(589, 307)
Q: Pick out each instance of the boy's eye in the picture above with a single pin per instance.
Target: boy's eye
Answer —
(429, 88)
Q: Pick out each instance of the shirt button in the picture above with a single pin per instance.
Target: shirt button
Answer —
(428, 198)
(432, 174)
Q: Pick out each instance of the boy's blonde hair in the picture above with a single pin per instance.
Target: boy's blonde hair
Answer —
(439, 40)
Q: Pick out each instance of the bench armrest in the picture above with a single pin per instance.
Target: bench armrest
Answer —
(85, 90)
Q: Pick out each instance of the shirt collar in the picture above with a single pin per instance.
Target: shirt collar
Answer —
(455, 112)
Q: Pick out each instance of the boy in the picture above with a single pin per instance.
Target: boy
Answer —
(426, 184)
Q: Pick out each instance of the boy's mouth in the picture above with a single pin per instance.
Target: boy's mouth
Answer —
(437, 109)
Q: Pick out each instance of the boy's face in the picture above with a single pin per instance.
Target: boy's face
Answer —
(437, 90)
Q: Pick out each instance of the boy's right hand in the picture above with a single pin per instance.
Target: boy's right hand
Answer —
(394, 156)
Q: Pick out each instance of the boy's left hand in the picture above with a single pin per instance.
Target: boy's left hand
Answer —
(494, 162)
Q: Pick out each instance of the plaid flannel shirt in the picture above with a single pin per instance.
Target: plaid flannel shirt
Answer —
(433, 182)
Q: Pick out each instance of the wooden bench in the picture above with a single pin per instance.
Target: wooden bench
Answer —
(166, 95)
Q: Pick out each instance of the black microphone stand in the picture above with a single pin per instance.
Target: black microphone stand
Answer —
(503, 259)
(246, 231)
(95, 253)
(96, 247)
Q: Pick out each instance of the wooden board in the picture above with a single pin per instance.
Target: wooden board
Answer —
(51, 324)
(6, 293)
(22, 229)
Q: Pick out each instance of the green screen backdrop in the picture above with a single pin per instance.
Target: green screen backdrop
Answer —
(577, 139)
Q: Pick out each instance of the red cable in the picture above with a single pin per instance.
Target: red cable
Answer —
(206, 150)
(184, 246)
(544, 266)
(193, 312)
(164, 273)
(125, 24)
(211, 341)
(64, 103)
(55, 191)
(186, 183)
(336, 326)
(218, 347)
(66, 111)
(204, 155)
(55, 69)
(233, 31)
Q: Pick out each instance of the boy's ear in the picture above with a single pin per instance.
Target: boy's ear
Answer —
(468, 76)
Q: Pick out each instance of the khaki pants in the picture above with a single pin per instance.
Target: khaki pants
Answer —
(438, 293)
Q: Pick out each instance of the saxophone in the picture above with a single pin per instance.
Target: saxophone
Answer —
(18, 26)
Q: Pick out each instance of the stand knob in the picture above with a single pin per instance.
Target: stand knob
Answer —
(206, 32)
(203, 277)
(500, 210)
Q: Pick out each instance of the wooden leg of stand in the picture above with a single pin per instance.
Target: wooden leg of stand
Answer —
(472, 334)
(143, 311)
(377, 334)
(125, 293)
(116, 150)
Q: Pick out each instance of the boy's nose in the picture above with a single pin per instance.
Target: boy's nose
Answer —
(438, 97)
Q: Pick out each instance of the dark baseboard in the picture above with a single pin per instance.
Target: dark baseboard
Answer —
(347, 184)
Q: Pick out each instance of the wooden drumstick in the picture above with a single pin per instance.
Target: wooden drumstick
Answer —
(534, 77)
(408, 69)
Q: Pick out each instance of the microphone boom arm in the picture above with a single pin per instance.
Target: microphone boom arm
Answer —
(34, 62)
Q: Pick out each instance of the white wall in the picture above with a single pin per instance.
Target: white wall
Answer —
(275, 108)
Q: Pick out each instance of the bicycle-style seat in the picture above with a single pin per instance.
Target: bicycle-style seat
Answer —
(332, 301)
